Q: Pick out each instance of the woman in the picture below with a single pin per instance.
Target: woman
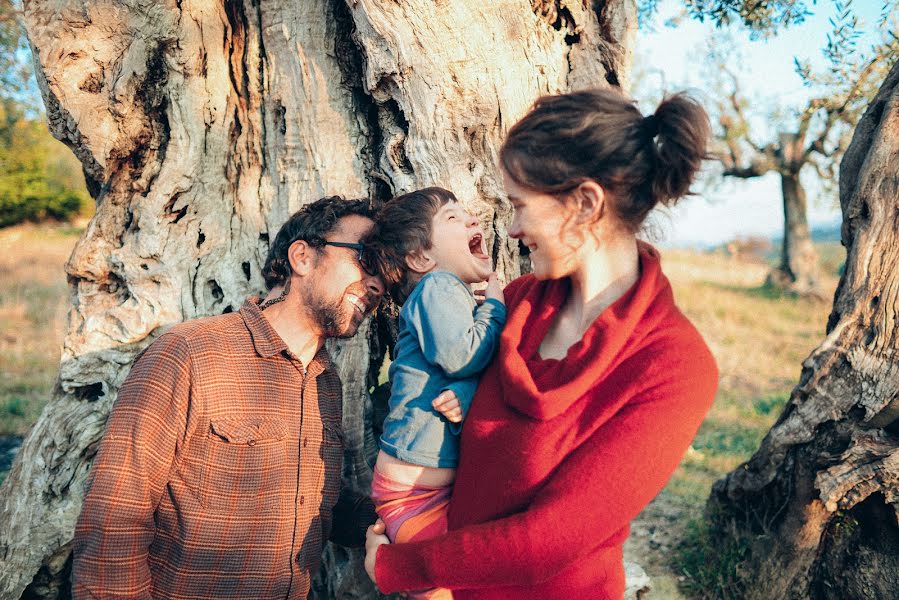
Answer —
(600, 383)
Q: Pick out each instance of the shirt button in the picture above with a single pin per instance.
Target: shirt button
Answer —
(302, 499)
(251, 443)
(305, 442)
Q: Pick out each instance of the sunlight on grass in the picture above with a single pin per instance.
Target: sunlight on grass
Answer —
(33, 304)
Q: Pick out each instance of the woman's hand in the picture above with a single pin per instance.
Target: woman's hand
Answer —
(448, 405)
(374, 537)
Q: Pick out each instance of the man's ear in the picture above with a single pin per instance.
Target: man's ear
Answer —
(420, 262)
(302, 257)
(590, 201)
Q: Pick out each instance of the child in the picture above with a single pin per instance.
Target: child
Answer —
(429, 251)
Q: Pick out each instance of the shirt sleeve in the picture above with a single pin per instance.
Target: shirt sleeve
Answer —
(451, 337)
(593, 495)
(146, 429)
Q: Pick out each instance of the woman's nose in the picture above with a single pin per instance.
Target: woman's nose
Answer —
(514, 230)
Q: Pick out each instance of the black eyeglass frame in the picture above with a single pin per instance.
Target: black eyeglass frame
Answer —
(360, 254)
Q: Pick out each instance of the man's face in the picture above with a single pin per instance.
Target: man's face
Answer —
(340, 294)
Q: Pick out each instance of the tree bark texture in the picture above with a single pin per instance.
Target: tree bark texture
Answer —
(202, 126)
(818, 505)
(799, 270)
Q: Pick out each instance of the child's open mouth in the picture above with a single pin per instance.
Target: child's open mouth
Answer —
(476, 246)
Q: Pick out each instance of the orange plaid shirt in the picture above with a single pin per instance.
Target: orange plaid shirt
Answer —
(218, 471)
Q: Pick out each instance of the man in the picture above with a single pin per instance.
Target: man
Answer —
(222, 458)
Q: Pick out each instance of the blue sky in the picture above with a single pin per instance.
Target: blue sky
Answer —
(740, 207)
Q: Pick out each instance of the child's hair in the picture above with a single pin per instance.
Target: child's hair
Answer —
(402, 228)
(600, 135)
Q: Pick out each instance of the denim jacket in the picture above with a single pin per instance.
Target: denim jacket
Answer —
(445, 341)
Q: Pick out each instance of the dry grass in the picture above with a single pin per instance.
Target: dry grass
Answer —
(759, 338)
(33, 303)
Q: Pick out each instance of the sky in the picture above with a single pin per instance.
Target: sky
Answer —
(740, 208)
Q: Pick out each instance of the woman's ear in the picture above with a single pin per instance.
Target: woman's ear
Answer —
(590, 201)
(302, 257)
(420, 262)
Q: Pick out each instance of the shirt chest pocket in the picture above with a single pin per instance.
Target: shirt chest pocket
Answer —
(246, 465)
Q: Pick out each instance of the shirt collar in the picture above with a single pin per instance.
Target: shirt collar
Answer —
(267, 341)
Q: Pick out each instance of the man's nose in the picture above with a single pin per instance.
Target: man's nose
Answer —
(375, 285)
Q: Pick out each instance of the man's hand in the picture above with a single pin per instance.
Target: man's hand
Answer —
(494, 289)
(374, 537)
(448, 405)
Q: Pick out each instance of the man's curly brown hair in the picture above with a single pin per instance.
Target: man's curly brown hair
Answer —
(311, 224)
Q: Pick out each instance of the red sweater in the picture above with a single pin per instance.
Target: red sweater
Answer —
(559, 455)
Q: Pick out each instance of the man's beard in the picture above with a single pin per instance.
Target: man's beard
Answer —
(330, 316)
(335, 318)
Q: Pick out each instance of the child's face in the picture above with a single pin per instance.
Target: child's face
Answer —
(457, 244)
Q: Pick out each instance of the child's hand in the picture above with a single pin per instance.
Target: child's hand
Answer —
(494, 289)
(448, 405)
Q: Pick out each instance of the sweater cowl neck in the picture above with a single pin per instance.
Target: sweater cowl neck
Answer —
(545, 388)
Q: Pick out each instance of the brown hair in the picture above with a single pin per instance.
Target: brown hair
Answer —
(403, 227)
(311, 223)
(600, 135)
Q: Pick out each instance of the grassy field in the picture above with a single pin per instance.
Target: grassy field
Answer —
(758, 337)
(33, 302)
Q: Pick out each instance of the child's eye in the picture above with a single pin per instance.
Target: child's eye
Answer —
(451, 217)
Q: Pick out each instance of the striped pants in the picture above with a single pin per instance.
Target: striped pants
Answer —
(412, 514)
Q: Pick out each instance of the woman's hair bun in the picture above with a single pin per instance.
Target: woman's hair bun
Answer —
(683, 132)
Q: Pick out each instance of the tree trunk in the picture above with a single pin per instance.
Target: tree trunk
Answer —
(202, 126)
(799, 270)
(816, 509)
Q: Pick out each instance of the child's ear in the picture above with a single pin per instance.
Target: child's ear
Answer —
(420, 262)
(591, 202)
(301, 257)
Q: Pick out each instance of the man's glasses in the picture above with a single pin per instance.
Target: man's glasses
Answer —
(363, 255)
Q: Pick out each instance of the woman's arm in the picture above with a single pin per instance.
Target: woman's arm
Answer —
(593, 495)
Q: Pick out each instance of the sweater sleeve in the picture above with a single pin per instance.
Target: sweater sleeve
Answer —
(596, 491)
(451, 337)
(138, 450)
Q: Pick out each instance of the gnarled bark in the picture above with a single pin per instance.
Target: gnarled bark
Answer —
(818, 504)
(201, 126)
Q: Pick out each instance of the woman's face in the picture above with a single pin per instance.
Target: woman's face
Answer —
(547, 227)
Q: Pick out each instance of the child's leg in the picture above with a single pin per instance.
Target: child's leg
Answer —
(412, 514)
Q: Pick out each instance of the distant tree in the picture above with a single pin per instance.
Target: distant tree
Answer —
(39, 178)
(16, 72)
(813, 139)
